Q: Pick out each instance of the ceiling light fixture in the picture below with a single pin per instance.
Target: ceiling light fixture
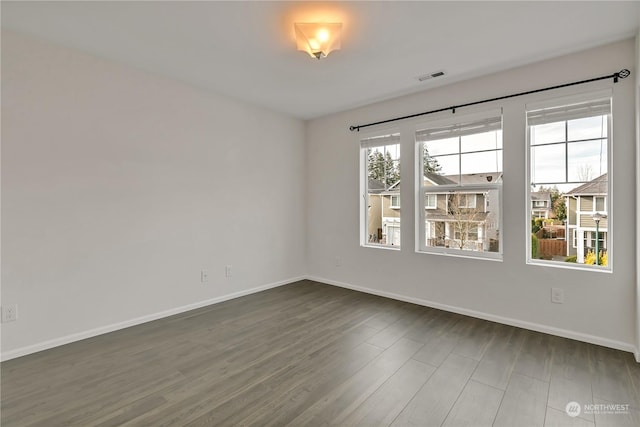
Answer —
(318, 39)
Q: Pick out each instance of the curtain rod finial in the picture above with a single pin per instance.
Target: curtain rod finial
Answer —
(622, 74)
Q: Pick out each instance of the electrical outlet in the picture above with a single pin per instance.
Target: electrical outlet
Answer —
(204, 276)
(9, 313)
(227, 271)
(557, 295)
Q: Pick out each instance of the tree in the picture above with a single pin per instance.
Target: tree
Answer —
(430, 164)
(557, 202)
(392, 170)
(382, 167)
(585, 173)
(465, 219)
(375, 165)
(559, 207)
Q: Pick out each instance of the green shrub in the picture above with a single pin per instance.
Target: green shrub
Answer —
(534, 227)
(534, 246)
(536, 224)
(573, 258)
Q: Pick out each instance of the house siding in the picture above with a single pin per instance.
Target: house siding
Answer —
(374, 220)
(586, 203)
(586, 220)
(572, 216)
(387, 211)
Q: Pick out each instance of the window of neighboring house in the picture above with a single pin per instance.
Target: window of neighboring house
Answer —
(380, 172)
(568, 155)
(459, 207)
(590, 240)
(465, 201)
(431, 201)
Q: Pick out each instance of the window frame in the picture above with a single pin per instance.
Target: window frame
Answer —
(435, 199)
(565, 101)
(394, 205)
(595, 204)
(391, 132)
(423, 190)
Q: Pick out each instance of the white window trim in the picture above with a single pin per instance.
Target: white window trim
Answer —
(421, 246)
(423, 189)
(568, 100)
(364, 235)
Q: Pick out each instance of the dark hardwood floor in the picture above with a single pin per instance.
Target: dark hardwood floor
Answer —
(313, 354)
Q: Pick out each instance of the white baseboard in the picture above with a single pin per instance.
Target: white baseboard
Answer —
(23, 351)
(565, 333)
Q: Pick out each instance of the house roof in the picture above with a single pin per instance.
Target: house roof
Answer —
(469, 178)
(480, 178)
(595, 187)
(540, 195)
(375, 186)
(438, 179)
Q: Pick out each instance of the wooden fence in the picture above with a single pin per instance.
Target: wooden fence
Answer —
(551, 247)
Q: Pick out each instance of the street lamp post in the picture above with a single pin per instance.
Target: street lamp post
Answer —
(597, 217)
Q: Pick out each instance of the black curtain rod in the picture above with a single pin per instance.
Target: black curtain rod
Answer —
(622, 74)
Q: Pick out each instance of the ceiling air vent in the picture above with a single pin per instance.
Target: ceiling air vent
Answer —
(430, 76)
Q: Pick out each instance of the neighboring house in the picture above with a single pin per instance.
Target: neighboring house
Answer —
(541, 205)
(374, 210)
(466, 220)
(462, 220)
(391, 215)
(582, 203)
(383, 211)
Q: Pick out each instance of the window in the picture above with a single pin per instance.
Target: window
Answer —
(467, 201)
(380, 171)
(460, 185)
(431, 201)
(568, 147)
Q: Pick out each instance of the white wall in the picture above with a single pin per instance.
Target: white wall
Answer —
(599, 307)
(637, 93)
(118, 187)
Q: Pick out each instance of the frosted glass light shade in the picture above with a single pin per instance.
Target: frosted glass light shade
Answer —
(318, 39)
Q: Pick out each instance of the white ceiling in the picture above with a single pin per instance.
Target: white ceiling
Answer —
(246, 49)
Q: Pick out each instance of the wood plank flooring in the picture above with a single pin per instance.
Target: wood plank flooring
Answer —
(314, 354)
